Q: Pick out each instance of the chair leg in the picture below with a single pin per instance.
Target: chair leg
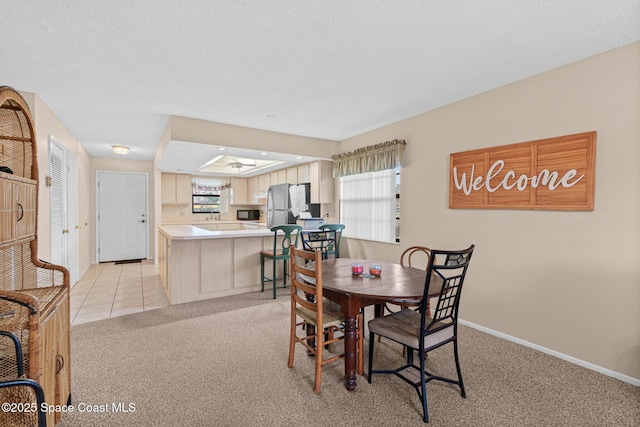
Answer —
(371, 341)
(262, 271)
(292, 341)
(423, 387)
(455, 355)
(319, 356)
(273, 278)
(284, 273)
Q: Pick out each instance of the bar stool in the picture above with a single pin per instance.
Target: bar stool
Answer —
(279, 252)
(336, 229)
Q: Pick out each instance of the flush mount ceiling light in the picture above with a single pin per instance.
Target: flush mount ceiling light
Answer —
(120, 149)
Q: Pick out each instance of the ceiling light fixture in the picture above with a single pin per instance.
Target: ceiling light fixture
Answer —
(120, 149)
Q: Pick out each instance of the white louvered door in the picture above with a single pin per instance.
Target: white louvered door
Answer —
(57, 202)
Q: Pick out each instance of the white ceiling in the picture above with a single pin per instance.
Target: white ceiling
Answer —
(113, 71)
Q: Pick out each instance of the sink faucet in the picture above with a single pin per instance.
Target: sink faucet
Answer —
(210, 215)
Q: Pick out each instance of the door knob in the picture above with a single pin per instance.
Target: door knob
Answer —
(65, 231)
(77, 227)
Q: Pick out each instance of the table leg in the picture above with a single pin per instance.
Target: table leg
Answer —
(350, 345)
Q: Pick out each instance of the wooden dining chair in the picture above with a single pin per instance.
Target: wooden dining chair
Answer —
(283, 237)
(320, 320)
(419, 332)
(405, 259)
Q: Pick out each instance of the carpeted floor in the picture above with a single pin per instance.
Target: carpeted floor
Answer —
(223, 362)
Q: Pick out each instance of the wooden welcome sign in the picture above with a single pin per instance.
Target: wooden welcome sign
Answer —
(550, 174)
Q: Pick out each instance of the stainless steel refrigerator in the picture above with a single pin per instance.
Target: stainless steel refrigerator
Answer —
(286, 201)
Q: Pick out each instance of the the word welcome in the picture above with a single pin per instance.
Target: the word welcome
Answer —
(509, 181)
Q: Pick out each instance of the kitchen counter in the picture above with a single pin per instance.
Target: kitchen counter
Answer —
(196, 264)
(192, 221)
(188, 232)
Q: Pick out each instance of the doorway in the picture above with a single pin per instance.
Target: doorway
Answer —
(64, 228)
(122, 216)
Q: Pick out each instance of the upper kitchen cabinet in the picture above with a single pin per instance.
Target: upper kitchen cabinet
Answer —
(275, 178)
(292, 175)
(321, 179)
(282, 176)
(176, 188)
(303, 173)
(253, 188)
(239, 193)
(264, 182)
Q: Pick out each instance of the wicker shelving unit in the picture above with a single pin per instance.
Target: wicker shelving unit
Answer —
(34, 295)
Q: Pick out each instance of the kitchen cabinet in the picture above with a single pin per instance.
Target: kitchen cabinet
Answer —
(275, 178)
(203, 267)
(239, 193)
(264, 182)
(303, 173)
(292, 175)
(253, 189)
(319, 174)
(176, 188)
(321, 179)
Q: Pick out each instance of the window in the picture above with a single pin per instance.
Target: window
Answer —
(209, 195)
(206, 203)
(369, 205)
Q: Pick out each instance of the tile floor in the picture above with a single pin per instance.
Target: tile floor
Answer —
(109, 290)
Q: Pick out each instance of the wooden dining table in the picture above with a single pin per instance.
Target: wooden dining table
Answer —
(352, 292)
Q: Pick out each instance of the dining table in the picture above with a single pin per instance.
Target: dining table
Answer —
(355, 291)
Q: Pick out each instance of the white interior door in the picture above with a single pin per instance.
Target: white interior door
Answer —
(122, 215)
(57, 202)
(65, 241)
(72, 223)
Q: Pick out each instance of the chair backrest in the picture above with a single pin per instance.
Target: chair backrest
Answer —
(321, 241)
(452, 272)
(306, 280)
(405, 258)
(290, 232)
(336, 229)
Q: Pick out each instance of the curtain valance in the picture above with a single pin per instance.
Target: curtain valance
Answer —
(374, 158)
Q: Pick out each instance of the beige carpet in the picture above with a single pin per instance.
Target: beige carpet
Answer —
(224, 363)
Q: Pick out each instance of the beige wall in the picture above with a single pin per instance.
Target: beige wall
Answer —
(117, 165)
(566, 281)
(47, 123)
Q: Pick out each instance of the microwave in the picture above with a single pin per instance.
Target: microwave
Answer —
(248, 214)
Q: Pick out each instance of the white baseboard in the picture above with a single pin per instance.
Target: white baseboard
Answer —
(608, 372)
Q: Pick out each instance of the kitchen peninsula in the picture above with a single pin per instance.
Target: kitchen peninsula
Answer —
(195, 263)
